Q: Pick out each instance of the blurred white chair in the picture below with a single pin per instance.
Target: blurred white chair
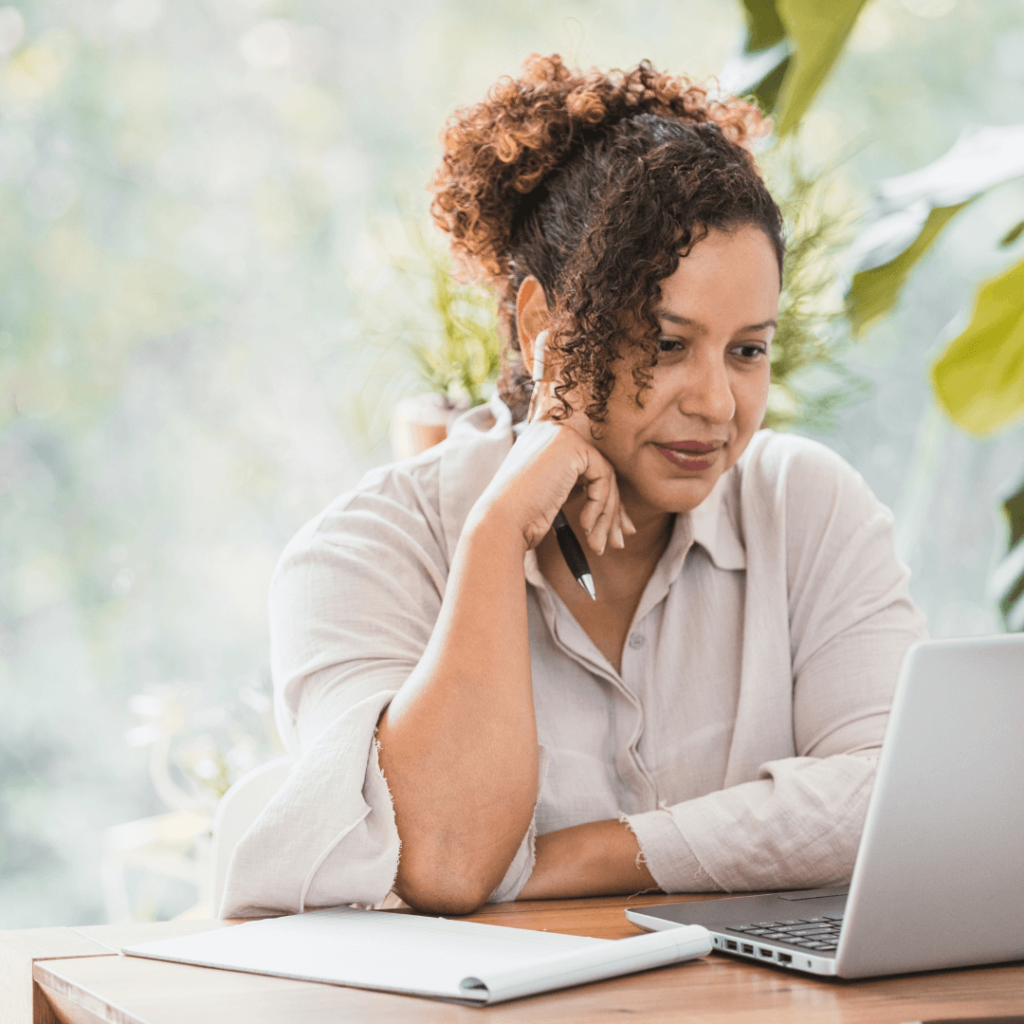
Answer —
(238, 809)
(167, 846)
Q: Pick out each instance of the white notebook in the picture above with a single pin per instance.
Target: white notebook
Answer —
(424, 956)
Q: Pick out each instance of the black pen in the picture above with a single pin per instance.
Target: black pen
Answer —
(572, 550)
(573, 554)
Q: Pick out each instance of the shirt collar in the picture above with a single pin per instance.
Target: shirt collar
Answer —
(714, 523)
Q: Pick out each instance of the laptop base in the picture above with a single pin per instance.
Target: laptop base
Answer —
(721, 916)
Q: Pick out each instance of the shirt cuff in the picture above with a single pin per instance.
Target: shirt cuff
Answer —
(667, 854)
(519, 870)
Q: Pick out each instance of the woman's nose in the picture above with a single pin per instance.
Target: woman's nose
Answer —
(708, 391)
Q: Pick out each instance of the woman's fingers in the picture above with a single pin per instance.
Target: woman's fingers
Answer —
(602, 518)
(597, 486)
(599, 516)
(618, 541)
(627, 523)
(548, 464)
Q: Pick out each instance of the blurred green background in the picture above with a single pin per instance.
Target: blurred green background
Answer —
(200, 205)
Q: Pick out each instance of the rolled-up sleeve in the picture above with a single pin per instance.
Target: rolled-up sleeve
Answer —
(796, 827)
(795, 821)
(353, 603)
(352, 606)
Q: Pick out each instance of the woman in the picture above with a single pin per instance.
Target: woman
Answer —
(472, 725)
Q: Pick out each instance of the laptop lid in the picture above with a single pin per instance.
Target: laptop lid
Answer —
(939, 877)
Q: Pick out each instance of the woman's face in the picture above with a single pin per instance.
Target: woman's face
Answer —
(709, 389)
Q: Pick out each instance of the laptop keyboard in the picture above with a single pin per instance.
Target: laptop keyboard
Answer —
(820, 934)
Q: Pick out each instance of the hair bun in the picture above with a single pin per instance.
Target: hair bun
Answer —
(497, 152)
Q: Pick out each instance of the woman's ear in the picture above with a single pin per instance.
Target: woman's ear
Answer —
(532, 316)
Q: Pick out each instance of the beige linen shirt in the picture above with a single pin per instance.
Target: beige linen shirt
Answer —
(738, 742)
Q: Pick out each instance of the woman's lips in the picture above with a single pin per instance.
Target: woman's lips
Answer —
(692, 455)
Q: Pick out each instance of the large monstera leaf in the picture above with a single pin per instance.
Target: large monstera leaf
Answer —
(979, 377)
(790, 47)
(979, 381)
(876, 289)
(910, 211)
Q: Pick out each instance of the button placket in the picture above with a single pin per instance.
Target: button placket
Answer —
(628, 762)
(633, 664)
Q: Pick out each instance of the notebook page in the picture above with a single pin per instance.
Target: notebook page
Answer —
(370, 949)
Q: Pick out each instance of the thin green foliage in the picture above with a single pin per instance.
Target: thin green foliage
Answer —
(809, 381)
(458, 353)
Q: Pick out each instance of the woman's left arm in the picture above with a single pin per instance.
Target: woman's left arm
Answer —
(599, 858)
(796, 823)
(796, 820)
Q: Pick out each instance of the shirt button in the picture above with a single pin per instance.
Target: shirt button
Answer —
(636, 641)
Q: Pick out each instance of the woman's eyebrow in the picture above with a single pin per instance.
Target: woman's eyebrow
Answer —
(685, 321)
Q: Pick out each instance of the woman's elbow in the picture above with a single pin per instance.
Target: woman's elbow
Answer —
(435, 880)
(453, 873)
(445, 897)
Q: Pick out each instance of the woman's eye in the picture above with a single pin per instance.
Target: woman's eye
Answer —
(670, 344)
(751, 352)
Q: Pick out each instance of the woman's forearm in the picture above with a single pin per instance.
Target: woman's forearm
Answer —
(458, 744)
(600, 858)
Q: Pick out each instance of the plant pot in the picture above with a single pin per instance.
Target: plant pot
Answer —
(421, 421)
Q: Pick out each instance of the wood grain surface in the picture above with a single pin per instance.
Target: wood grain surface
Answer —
(129, 990)
(19, 950)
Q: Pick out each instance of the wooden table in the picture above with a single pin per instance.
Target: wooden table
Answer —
(74, 975)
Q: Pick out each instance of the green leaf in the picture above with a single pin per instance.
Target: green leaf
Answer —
(759, 67)
(875, 292)
(1012, 235)
(1008, 578)
(790, 47)
(912, 209)
(767, 90)
(979, 378)
(818, 29)
(764, 26)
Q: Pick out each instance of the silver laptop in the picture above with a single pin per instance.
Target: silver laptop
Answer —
(939, 877)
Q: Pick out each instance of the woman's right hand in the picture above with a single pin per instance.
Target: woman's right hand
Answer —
(550, 461)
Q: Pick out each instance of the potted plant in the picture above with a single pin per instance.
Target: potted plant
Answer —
(457, 361)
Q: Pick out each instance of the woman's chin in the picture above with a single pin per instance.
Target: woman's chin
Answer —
(680, 495)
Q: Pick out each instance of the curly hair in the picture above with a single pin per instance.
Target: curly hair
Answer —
(596, 183)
